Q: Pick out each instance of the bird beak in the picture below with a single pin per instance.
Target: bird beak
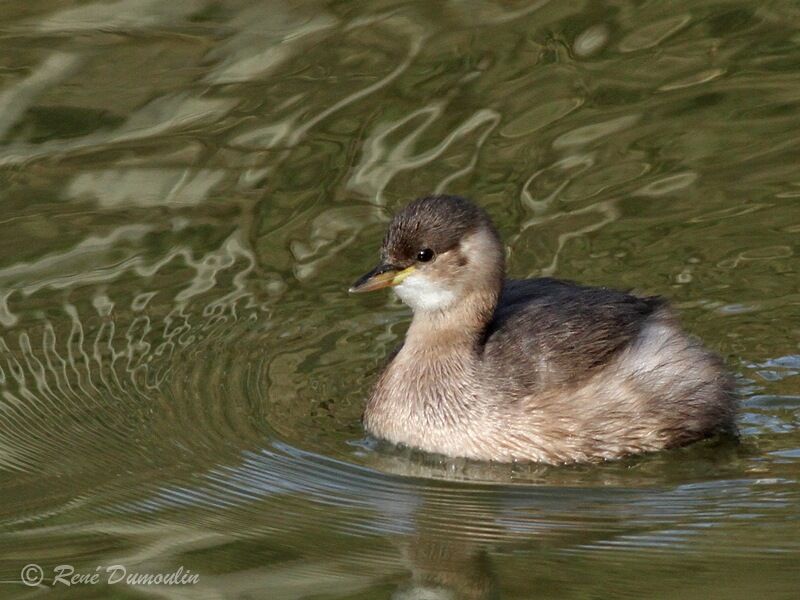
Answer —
(380, 277)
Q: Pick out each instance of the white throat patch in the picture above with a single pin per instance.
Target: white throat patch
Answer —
(421, 293)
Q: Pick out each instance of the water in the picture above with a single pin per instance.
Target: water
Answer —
(188, 188)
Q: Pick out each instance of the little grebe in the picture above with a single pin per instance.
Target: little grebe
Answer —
(537, 369)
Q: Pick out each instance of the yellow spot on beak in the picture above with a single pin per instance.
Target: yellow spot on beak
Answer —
(380, 279)
(398, 279)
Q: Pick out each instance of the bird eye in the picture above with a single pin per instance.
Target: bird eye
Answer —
(425, 255)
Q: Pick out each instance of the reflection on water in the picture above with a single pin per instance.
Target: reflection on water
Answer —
(190, 186)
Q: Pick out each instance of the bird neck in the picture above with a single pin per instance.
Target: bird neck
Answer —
(459, 328)
(461, 325)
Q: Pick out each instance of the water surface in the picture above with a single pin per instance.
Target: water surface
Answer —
(188, 188)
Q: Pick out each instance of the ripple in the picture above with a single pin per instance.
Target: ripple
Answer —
(591, 40)
(653, 33)
(122, 14)
(539, 117)
(590, 133)
(667, 185)
(145, 187)
(265, 39)
(693, 80)
(15, 100)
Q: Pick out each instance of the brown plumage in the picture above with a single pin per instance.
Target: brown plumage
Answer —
(539, 369)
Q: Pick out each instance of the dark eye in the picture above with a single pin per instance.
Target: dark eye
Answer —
(425, 255)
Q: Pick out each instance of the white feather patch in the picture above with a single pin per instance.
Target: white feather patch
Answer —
(422, 293)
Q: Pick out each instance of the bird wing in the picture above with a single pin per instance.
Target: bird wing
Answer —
(549, 331)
